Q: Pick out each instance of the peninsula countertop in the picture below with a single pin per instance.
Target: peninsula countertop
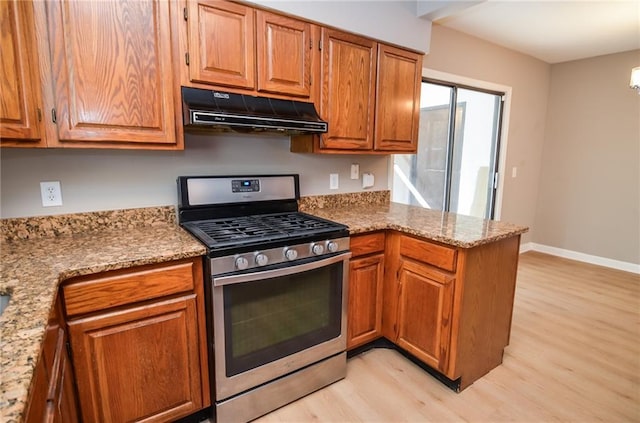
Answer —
(447, 228)
(39, 253)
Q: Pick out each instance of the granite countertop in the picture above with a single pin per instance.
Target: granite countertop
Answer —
(36, 254)
(31, 270)
(448, 228)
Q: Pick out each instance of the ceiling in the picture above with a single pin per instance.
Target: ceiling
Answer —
(552, 31)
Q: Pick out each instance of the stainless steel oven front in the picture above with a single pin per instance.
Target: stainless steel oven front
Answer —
(271, 327)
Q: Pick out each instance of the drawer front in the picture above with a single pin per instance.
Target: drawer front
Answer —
(430, 253)
(366, 244)
(127, 286)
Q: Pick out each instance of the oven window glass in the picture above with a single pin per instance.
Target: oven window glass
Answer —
(269, 319)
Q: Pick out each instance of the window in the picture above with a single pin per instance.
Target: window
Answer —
(456, 166)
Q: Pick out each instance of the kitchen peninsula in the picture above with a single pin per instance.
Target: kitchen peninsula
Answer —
(432, 252)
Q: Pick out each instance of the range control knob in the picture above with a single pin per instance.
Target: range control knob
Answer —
(242, 263)
(291, 254)
(332, 246)
(261, 259)
(317, 249)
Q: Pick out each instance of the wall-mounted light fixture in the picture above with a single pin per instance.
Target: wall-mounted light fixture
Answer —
(635, 79)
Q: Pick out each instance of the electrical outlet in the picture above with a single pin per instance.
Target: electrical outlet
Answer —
(51, 193)
(334, 181)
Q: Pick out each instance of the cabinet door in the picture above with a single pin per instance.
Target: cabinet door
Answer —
(113, 79)
(137, 363)
(347, 93)
(284, 54)
(221, 43)
(364, 320)
(424, 307)
(20, 89)
(397, 99)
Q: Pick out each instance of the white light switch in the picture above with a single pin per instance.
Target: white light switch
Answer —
(334, 181)
(367, 180)
(514, 172)
(355, 171)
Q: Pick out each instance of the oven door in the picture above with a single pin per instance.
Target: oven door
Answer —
(270, 323)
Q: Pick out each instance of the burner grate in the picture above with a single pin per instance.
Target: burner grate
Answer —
(243, 230)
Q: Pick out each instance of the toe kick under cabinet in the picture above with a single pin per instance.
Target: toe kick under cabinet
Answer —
(138, 342)
(450, 307)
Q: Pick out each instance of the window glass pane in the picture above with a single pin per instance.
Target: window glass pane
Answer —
(419, 179)
(473, 152)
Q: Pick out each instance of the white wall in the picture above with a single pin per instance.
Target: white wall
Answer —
(395, 22)
(95, 180)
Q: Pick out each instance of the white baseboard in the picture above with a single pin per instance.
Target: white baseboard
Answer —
(587, 258)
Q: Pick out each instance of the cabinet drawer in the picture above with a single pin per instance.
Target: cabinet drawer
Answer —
(127, 286)
(427, 252)
(367, 244)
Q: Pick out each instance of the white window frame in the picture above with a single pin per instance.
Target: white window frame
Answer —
(504, 131)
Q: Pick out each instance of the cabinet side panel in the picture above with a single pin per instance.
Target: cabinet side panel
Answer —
(488, 275)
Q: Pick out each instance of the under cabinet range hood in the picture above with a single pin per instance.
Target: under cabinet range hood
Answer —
(218, 111)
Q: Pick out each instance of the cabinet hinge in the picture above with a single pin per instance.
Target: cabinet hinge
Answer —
(320, 45)
(495, 180)
(185, 14)
(310, 44)
(186, 58)
(54, 118)
(68, 345)
(39, 113)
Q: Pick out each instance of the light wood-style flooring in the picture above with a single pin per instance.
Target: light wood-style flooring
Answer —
(574, 356)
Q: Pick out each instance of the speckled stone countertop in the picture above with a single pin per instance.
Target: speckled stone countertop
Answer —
(32, 267)
(37, 253)
(448, 228)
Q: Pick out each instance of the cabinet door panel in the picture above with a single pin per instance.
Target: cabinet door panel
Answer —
(347, 97)
(138, 363)
(113, 79)
(425, 313)
(20, 90)
(221, 44)
(365, 300)
(284, 54)
(398, 99)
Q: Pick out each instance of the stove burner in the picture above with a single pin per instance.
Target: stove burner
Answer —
(244, 230)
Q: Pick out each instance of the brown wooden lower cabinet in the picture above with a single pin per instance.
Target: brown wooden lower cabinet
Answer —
(366, 275)
(449, 307)
(145, 360)
(53, 395)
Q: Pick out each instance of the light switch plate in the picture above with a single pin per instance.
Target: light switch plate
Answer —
(334, 181)
(355, 171)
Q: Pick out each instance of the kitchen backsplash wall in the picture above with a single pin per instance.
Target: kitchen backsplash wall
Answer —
(93, 180)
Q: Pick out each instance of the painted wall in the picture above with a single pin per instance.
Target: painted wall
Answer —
(116, 179)
(395, 22)
(589, 198)
(460, 54)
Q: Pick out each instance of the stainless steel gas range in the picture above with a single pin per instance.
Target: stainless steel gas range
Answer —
(276, 291)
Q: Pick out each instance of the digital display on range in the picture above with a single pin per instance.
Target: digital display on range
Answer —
(245, 185)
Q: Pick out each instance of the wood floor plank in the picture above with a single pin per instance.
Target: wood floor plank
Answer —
(574, 356)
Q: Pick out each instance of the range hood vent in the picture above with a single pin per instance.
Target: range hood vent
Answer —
(208, 110)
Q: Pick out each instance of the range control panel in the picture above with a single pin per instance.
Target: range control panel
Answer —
(245, 185)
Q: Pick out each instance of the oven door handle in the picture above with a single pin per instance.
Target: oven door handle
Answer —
(274, 273)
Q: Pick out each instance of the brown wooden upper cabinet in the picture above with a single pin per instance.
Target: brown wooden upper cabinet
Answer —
(112, 74)
(348, 90)
(20, 89)
(237, 47)
(370, 95)
(397, 99)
